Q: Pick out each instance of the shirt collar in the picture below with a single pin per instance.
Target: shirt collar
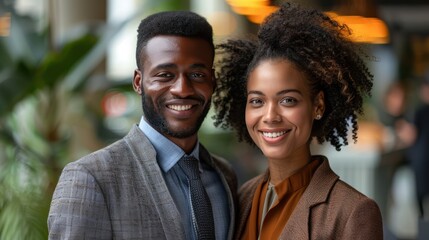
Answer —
(168, 153)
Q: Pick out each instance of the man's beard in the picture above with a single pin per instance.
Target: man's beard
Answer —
(159, 123)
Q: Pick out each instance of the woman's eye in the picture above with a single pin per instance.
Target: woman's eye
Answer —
(255, 102)
(289, 101)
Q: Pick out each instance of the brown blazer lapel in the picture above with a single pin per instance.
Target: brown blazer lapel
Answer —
(245, 198)
(317, 192)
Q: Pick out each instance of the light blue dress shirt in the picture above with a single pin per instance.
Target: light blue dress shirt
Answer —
(168, 154)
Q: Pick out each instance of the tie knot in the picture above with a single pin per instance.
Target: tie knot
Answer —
(190, 167)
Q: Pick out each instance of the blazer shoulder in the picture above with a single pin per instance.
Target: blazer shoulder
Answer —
(362, 212)
(344, 200)
(103, 156)
(120, 154)
(345, 191)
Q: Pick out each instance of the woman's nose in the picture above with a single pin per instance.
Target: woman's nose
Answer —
(271, 114)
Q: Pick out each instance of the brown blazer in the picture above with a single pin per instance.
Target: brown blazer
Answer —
(328, 209)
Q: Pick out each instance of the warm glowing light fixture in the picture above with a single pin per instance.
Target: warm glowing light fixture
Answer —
(255, 10)
(361, 16)
(363, 29)
(4, 24)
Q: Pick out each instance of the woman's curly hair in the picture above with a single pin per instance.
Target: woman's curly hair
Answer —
(318, 46)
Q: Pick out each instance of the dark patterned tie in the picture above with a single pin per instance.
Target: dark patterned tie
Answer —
(200, 200)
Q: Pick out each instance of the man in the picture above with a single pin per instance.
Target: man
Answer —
(138, 187)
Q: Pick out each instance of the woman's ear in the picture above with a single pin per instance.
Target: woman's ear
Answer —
(319, 105)
(137, 81)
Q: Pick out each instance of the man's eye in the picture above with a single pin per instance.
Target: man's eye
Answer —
(164, 75)
(197, 75)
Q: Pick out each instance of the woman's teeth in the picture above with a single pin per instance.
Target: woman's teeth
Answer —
(273, 134)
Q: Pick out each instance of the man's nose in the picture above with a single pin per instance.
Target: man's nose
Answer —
(182, 87)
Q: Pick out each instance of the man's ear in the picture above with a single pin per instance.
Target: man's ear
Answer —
(137, 81)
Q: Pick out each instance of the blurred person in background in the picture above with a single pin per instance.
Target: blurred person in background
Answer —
(419, 151)
(300, 79)
(396, 119)
(142, 186)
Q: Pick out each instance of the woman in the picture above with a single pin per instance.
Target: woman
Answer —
(300, 79)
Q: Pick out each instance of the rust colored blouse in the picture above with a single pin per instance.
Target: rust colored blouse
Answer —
(287, 195)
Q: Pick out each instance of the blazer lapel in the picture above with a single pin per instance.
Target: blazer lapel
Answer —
(152, 178)
(246, 194)
(298, 225)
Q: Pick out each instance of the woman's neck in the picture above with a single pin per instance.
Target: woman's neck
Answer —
(280, 169)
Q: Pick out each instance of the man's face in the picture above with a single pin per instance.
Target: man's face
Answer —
(176, 83)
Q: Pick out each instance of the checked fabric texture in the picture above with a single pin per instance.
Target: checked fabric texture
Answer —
(199, 199)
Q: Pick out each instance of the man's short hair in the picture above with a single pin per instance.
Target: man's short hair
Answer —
(175, 23)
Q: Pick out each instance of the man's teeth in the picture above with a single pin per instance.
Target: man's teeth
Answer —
(273, 134)
(180, 107)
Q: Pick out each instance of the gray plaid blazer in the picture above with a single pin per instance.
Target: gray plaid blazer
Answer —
(119, 192)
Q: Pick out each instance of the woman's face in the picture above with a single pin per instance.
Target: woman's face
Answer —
(280, 110)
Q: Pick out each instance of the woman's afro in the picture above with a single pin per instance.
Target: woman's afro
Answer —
(317, 45)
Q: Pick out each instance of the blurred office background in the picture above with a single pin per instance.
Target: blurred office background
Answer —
(65, 90)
